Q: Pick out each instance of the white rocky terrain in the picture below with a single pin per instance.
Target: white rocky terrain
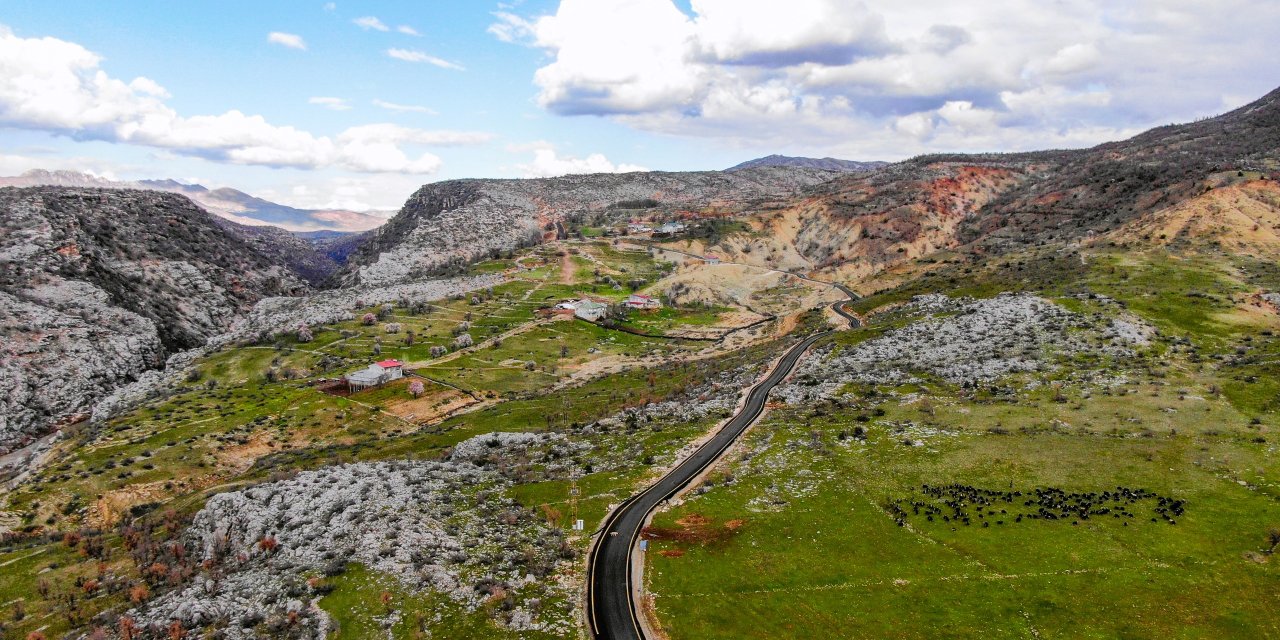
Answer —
(967, 342)
(440, 526)
(460, 220)
(99, 285)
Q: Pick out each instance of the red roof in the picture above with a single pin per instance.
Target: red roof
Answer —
(641, 296)
(711, 257)
(388, 364)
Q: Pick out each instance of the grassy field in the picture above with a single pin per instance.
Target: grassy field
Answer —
(800, 537)
(804, 528)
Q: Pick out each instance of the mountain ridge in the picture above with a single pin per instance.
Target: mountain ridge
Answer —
(225, 202)
(826, 164)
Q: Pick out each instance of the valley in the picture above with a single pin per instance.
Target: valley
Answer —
(1017, 395)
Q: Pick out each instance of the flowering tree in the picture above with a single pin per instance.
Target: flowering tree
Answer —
(463, 341)
(437, 351)
(368, 319)
(416, 388)
(393, 327)
(304, 334)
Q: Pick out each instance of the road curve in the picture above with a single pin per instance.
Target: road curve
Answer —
(611, 610)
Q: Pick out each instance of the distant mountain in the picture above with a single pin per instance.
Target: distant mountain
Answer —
(231, 204)
(826, 164)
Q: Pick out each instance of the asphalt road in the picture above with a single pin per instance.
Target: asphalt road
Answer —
(611, 612)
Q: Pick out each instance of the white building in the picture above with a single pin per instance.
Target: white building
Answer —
(376, 375)
(641, 301)
(590, 310)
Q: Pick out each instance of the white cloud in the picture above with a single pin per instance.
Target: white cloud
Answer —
(290, 40)
(413, 55)
(51, 85)
(371, 22)
(894, 79)
(403, 108)
(336, 104)
(408, 30)
(368, 193)
(397, 133)
(547, 163)
(510, 27)
(330, 7)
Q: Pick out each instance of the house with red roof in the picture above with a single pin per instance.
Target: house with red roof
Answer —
(641, 301)
(375, 375)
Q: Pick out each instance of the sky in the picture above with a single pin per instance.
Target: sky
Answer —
(357, 104)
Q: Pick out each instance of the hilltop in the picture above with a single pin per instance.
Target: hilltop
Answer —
(825, 164)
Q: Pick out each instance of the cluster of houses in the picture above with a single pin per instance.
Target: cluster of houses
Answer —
(586, 308)
(593, 310)
(665, 229)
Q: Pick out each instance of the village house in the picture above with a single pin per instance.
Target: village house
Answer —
(710, 259)
(638, 227)
(375, 375)
(641, 301)
(590, 310)
(671, 227)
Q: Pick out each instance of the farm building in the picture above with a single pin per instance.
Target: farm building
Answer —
(641, 301)
(590, 310)
(375, 375)
(711, 259)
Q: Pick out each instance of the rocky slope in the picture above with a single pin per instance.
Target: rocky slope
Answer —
(99, 285)
(1162, 182)
(461, 220)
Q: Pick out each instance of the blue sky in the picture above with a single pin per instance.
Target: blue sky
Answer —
(356, 104)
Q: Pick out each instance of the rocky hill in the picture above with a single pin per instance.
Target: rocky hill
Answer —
(461, 220)
(99, 285)
(825, 164)
(1138, 189)
(230, 204)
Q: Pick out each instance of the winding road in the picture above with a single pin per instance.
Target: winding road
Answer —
(612, 589)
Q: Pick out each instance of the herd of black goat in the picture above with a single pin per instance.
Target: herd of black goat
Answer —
(961, 504)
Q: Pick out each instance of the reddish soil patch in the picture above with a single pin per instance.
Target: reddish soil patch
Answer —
(693, 520)
(693, 528)
(671, 553)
